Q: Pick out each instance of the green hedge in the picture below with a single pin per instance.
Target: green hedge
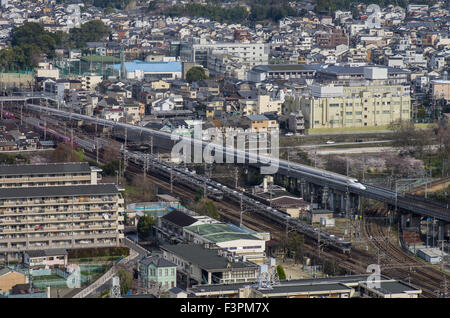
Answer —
(99, 252)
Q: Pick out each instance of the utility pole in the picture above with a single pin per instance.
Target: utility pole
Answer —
(236, 177)
(151, 145)
(171, 181)
(96, 148)
(241, 211)
(346, 160)
(318, 239)
(270, 187)
(443, 259)
(315, 157)
(364, 169)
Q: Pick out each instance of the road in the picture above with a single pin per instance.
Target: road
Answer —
(337, 151)
(136, 254)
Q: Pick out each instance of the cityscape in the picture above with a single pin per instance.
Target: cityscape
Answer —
(224, 149)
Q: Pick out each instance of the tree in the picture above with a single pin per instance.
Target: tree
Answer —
(145, 225)
(281, 273)
(146, 188)
(111, 151)
(293, 245)
(407, 138)
(64, 153)
(126, 280)
(207, 207)
(108, 10)
(196, 74)
(336, 164)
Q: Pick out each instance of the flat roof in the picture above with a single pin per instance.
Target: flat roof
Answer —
(311, 288)
(396, 287)
(207, 259)
(47, 168)
(58, 191)
(357, 70)
(292, 285)
(49, 252)
(150, 67)
(221, 232)
(283, 67)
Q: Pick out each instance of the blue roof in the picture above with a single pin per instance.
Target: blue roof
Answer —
(150, 67)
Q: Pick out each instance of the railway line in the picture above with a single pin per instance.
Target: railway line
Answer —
(399, 264)
(427, 279)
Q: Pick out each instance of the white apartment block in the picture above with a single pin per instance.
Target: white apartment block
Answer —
(251, 54)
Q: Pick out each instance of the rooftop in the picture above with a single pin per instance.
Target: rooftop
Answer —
(207, 259)
(150, 67)
(47, 168)
(221, 232)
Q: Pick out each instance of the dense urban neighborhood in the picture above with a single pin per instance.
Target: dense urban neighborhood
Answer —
(224, 149)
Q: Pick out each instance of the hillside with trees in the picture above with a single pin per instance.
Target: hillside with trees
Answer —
(31, 40)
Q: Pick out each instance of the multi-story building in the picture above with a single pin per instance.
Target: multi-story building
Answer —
(208, 266)
(260, 124)
(355, 106)
(36, 218)
(280, 72)
(296, 123)
(440, 89)
(155, 270)
(90, 81)
(356, 75)
(250, 53)
(262, 104)
(241, 242)
(331, 39)
(226, 65)
(42, 175)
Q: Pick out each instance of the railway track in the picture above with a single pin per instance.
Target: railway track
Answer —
(423, 276)
(427, 279)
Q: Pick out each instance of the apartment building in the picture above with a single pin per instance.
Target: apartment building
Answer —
(250, 53)
(36, 218)
(43, 175)
(260, 105)
(440, 89)
(281, 72)
(355, 106)
(331, 39)
(90, 82)
(226, 65)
